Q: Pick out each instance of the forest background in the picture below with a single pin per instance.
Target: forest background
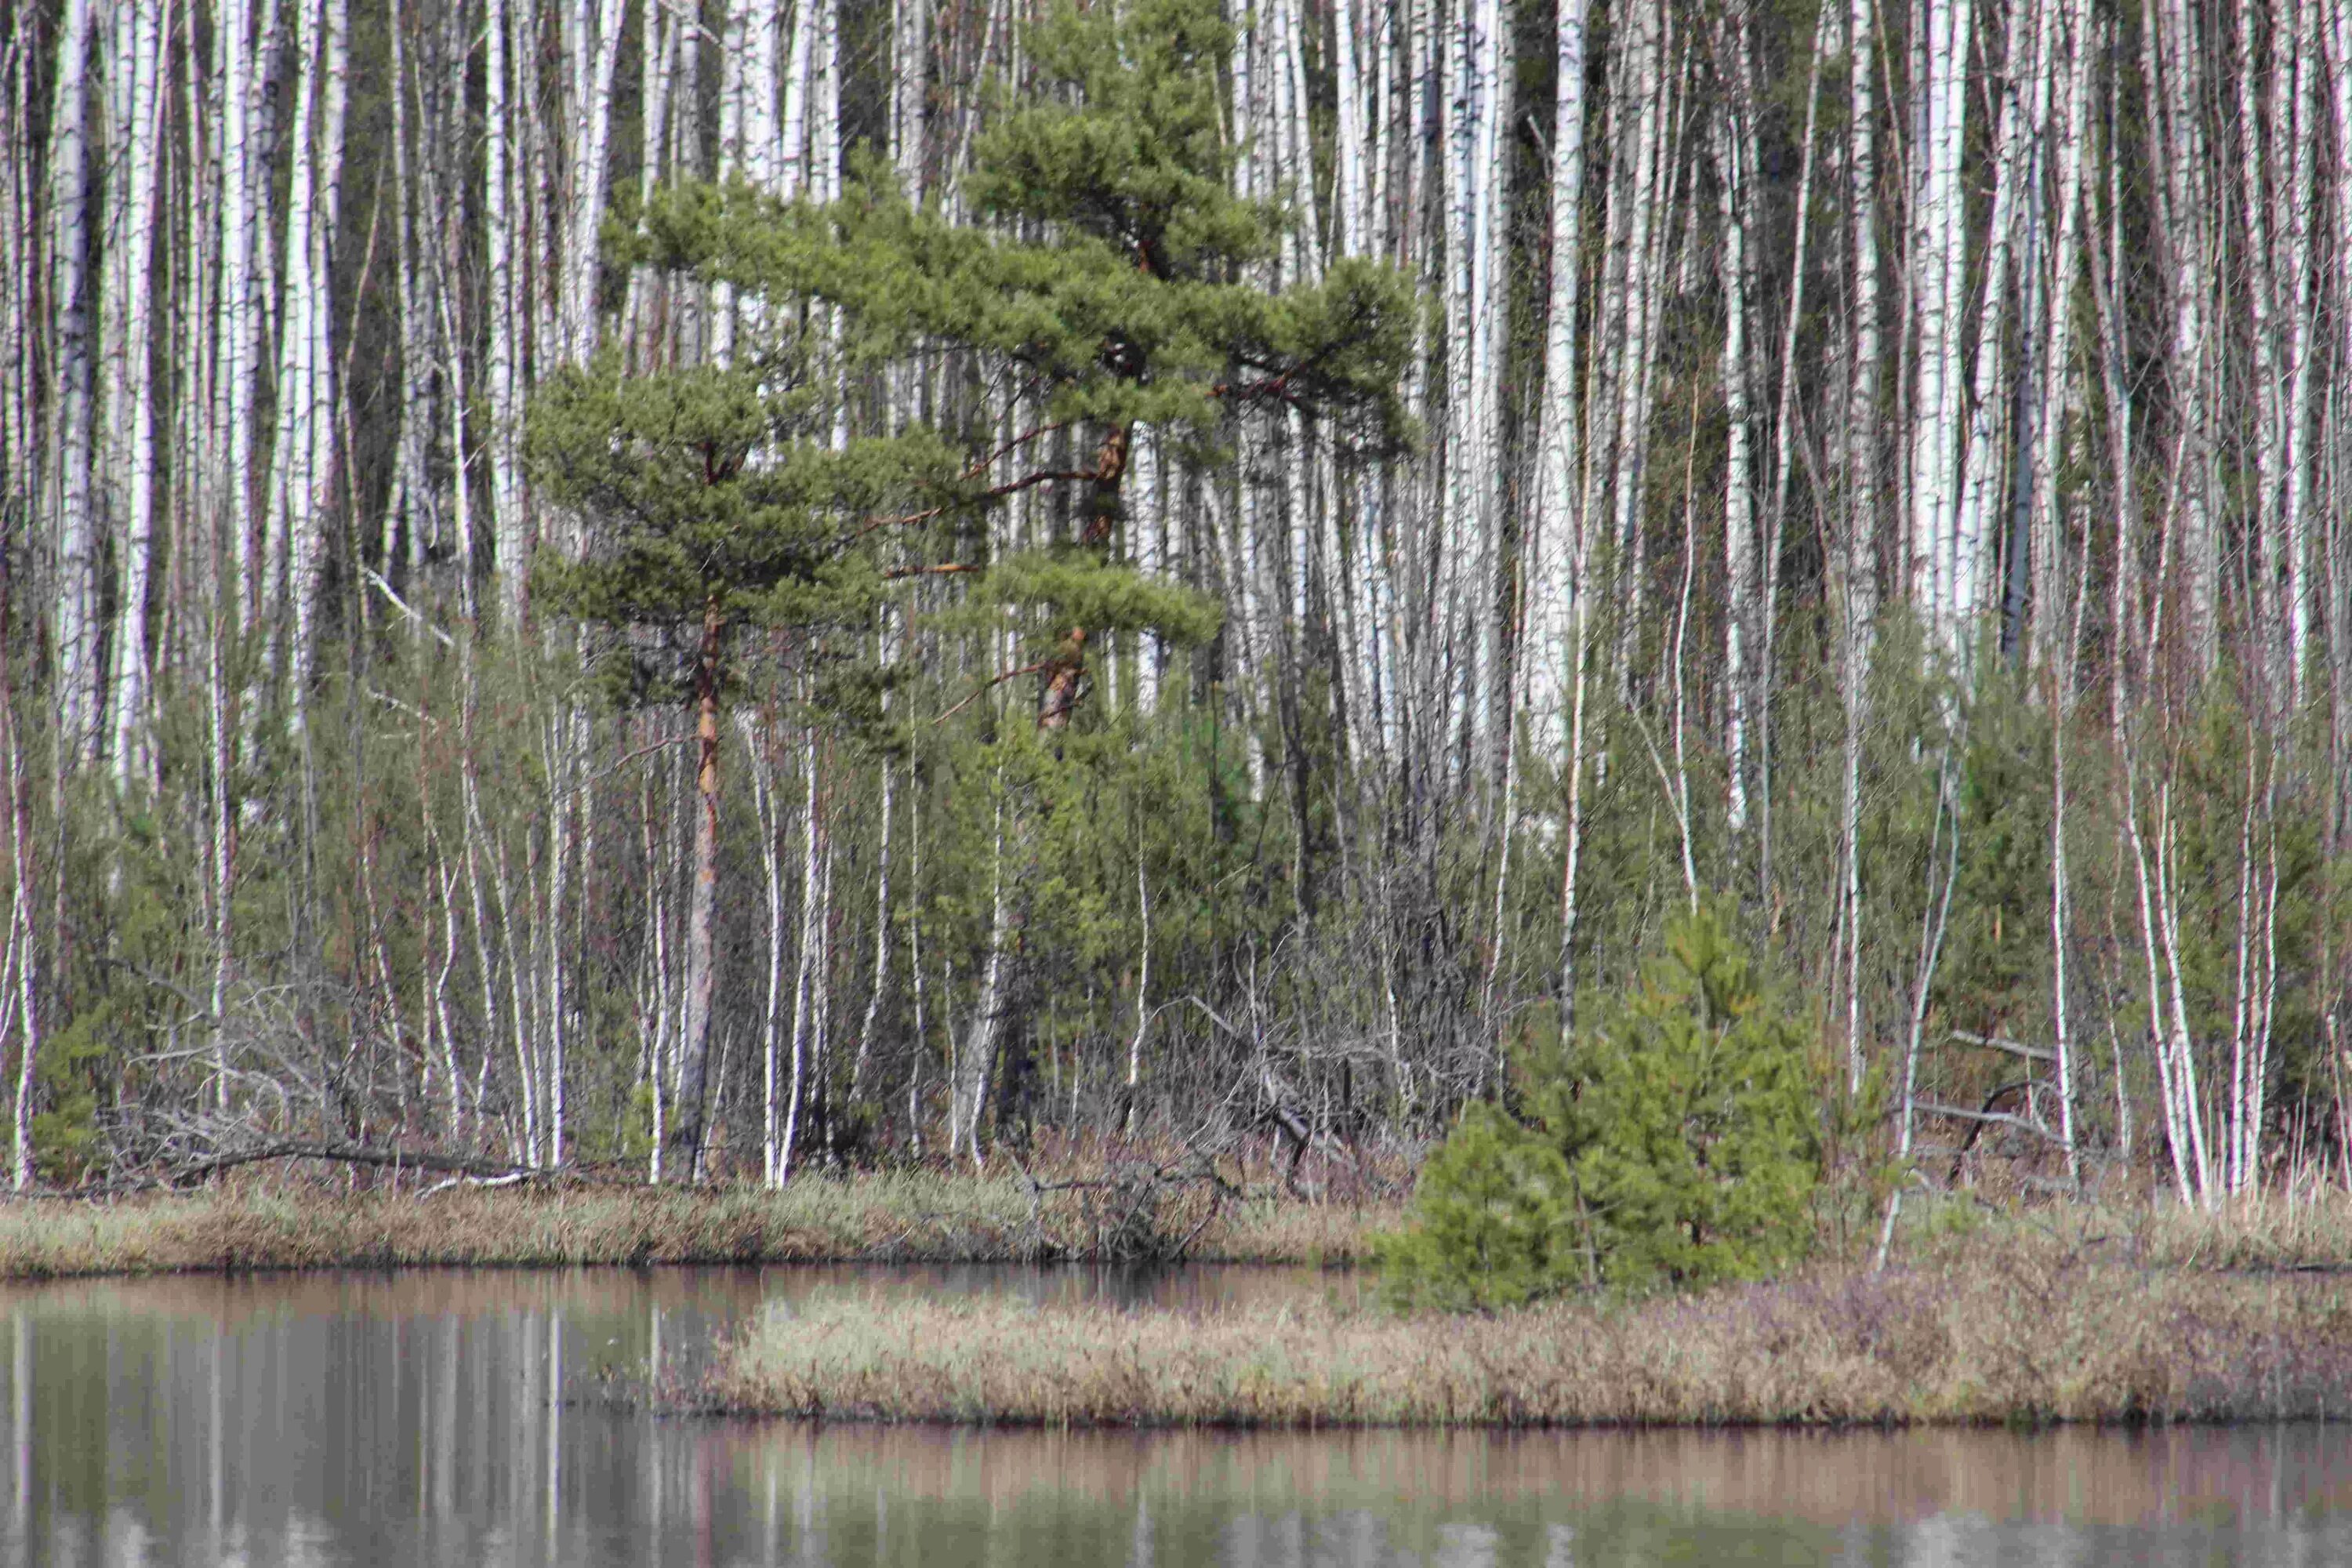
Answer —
(1884, 468)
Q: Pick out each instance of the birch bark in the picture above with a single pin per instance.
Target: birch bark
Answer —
(72, 526)
(1857, 560)
(1938, 284)
(508, 245)
(19, 251)
(2020, 129)
(2046, 531)
(2172, 54)
(592, 60)
(1559, 590)
(22, 944)
(1733, 142)
(139, 30)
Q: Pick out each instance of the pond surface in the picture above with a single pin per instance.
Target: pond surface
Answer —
(465, 1417)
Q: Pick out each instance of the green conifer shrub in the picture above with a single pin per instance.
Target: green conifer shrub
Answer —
(1678, 1142)
(1494, 1221)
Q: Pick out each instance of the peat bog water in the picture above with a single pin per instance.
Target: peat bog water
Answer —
(454, 1416)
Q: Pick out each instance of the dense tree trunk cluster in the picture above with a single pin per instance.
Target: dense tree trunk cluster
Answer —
(1885, 468)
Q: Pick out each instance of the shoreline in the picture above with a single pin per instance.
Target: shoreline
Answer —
(2138, 1315)
(1956, 1342)
(898, 1217)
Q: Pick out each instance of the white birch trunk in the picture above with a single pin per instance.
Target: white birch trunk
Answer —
(138, 137)
(970, 1089)
(509, 247)
(2336, 544)
(1558, 592)
(2046, 529)
(911, 52)
(2021, 131)
(592, 60)
(243, 174)
(72, 522)
(760, 765)
(1733, 142)
(2173, 53)
(880, 982)
(1937, 289)
(1857, 561)
(407, 536)
(19, 250)
(808, 984)
(825, 127)
(22, 943)
(2300, 575)
(303, 465)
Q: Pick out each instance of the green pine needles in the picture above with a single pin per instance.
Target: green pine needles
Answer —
(716, 495)
(1101, 268)
(1099, 279)
(1677, 1144)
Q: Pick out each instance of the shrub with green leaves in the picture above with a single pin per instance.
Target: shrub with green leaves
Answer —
(1677, 1144)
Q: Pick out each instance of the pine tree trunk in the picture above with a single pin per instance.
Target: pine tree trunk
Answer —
(687, 1136)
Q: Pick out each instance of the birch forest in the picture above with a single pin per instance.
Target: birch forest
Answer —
(1880, 468)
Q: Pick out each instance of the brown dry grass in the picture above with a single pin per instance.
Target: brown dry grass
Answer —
(2010, 1324)
(917, 1216)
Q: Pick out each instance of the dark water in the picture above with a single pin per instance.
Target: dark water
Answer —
(455, 1417)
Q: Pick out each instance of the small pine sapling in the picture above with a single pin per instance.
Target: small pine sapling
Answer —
(1678, 1143)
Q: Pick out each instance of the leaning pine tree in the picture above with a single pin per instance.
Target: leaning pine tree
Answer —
(1101, 265)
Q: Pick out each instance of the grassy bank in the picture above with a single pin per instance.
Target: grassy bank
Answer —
(910, 1216)
(2011, 1322)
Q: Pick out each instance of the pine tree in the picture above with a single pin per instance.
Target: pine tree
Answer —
(715, 502)
(1692, 1118)
(1494, 1221)
(1678, 1143)
(1129, 311)
(1103, 265)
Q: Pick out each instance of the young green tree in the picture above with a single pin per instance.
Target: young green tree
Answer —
(1495, 1221)
(1692, 1118)
(1678, 1143)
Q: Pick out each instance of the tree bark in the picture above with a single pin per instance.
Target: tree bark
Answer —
(688, 1133)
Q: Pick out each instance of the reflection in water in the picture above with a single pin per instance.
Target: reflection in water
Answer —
(462, 1417)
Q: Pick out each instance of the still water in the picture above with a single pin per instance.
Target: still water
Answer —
(467, 1418)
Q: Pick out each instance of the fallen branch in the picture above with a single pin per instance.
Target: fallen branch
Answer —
(2001, 1043)
(1988, 1117)
(459, 1166)
(508, 1180)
